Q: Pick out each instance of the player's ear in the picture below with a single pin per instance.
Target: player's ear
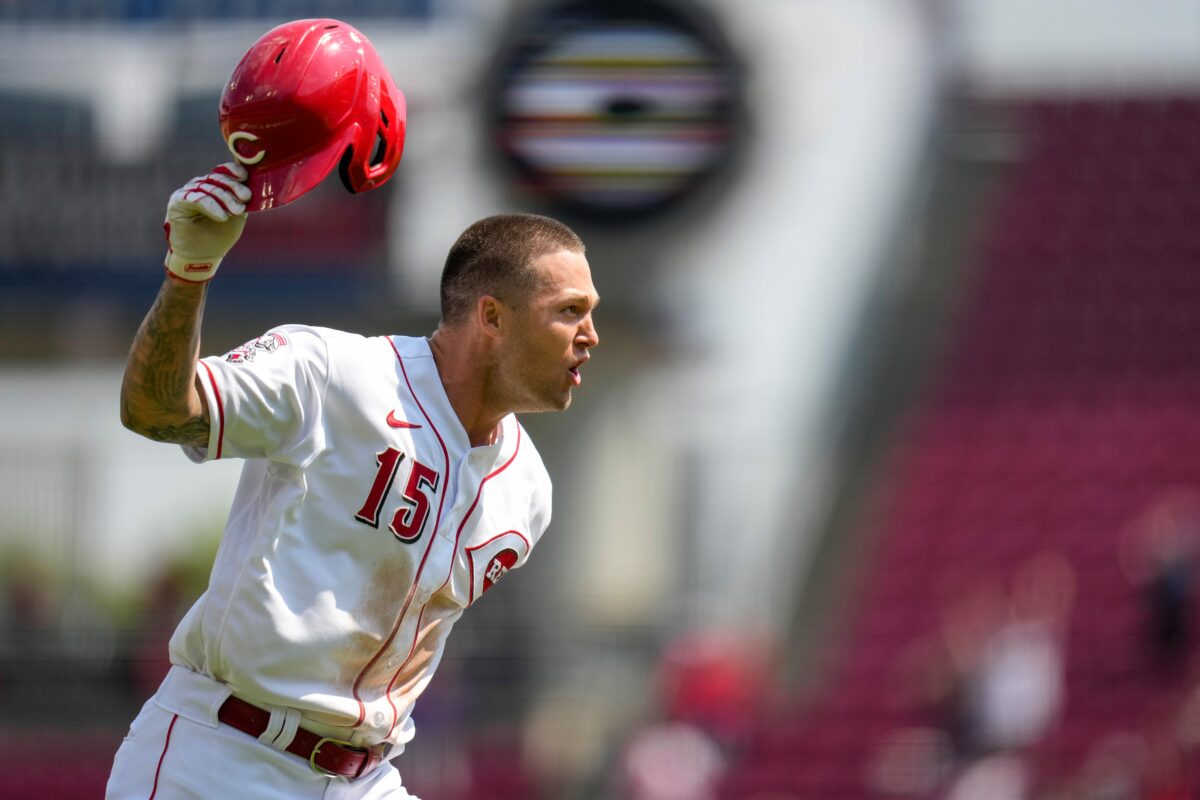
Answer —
(490, 316)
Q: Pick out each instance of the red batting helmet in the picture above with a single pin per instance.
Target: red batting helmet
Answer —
(308, 95)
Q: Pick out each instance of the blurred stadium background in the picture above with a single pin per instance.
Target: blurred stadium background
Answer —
(884, 483)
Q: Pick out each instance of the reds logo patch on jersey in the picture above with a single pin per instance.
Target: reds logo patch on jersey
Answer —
(492, 559)
(500, 564)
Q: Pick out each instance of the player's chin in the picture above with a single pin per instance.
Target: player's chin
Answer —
(562, 398)
(558, 400)
(561, 401)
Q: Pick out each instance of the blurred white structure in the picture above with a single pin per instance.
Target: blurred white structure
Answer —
(1076, 46)
(767, 295)
(86, 496)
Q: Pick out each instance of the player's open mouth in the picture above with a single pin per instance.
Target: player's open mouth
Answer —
(573, 371)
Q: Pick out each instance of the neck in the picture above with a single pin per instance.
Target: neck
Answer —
(464, 369)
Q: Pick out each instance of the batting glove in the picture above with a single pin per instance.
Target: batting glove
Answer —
(205, 218)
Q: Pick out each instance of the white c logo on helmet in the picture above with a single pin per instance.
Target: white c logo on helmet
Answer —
(238, 136)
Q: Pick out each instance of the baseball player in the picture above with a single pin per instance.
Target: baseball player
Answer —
(387, 485)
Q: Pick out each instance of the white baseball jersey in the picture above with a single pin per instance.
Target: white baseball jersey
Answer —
(363, 525)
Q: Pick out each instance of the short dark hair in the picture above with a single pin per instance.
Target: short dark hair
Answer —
(495, 256)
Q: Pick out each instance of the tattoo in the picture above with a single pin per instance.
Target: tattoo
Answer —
(158, 396)
(194, 432)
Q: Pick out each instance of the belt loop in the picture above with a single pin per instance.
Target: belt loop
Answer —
(274, 726)
(291, 723)
(281, 728)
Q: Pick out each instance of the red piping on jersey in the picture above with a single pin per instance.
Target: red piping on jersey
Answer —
(457, 535)
(470, 551)
(475, 502)
(412, 646)
(166, 744)
(412, 590)
(220, 409)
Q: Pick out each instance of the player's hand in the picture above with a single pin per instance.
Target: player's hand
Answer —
(204, 220)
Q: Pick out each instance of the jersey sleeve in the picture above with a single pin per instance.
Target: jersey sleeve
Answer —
(266, 397)
(540, 505)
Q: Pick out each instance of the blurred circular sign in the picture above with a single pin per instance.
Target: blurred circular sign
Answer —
(615, 108)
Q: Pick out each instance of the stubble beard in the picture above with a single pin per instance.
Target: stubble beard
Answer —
(536, 403)
(531, 394)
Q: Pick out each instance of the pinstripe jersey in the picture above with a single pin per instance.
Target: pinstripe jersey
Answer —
(364, 523)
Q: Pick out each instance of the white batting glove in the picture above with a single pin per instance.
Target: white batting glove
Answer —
(205, 218)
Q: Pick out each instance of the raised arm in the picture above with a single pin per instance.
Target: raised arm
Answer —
(160, 396)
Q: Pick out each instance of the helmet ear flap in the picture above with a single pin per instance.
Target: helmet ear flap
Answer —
(378, 156)
(344, 169)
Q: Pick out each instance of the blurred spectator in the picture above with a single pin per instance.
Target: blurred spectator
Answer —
(1113, 769)
(991, 684)
(1168, 775)
(671, 760)
(1187, 722)
(29, 635)
(1161, 550)
(1169, 752)
(710, 689)
(993, 777)
(437, 763)
(29, 602)
(715, 680)
(499, 768)
(1016, 692)
(166, 600)
(938, 672)
(911, 762)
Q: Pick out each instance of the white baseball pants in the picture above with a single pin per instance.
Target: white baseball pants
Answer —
(177, 750)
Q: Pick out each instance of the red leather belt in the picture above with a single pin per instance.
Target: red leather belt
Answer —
(324, 754)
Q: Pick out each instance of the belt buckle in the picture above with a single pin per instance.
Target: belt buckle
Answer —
(312, 758)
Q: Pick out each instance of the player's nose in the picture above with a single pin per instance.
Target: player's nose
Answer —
(587, 336)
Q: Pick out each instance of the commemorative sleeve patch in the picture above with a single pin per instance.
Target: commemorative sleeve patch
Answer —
(267, 343)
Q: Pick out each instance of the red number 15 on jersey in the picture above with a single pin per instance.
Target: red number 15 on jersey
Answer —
(408, 521)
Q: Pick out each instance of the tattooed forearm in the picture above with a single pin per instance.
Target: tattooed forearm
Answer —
(194, 432)
(158, 396)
